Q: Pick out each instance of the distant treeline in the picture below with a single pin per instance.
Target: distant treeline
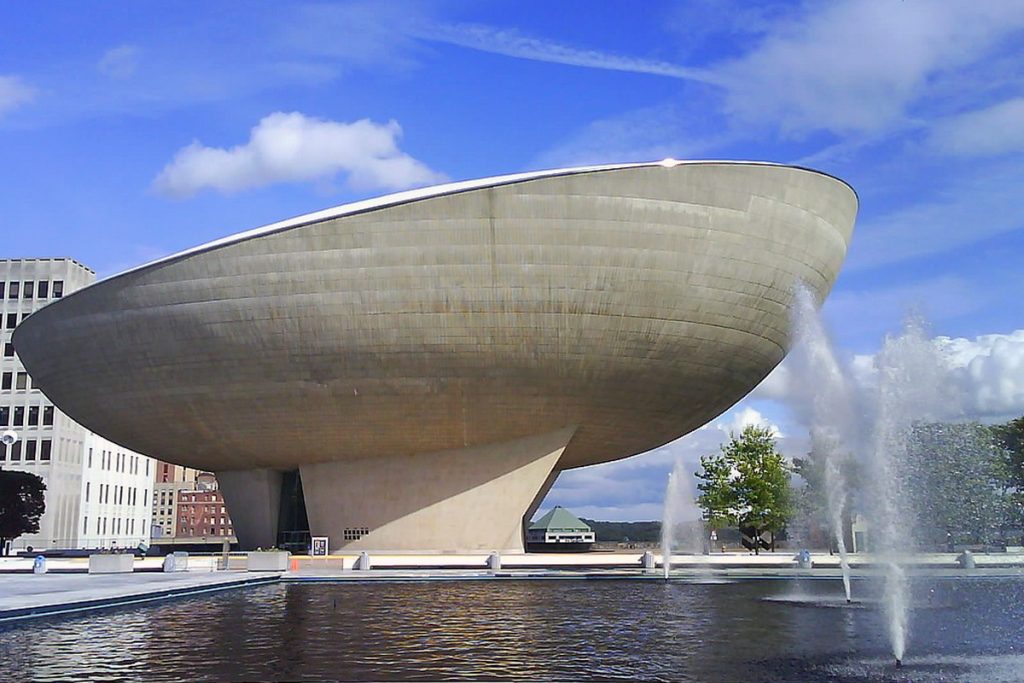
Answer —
(636, 532)
(647, 532)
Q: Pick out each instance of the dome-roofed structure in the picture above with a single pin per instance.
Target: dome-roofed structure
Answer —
(450, 348)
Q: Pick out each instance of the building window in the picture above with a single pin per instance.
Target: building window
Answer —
(45, 449)
(8, 350)
(19, 416)
(29, 289)
(90, 457)
(30, 450)
(85, 521)
(354, 534)
(58, 289)
(33, 416)
(12, 321)
(48, 416)
(87, 487)
(44, 289)
(5, 415)
(21, 381)
(14, 291)
(6, 380)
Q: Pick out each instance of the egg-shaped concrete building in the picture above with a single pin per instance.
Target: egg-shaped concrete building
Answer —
(429, 361)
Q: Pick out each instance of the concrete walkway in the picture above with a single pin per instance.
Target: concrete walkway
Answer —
(25, 596)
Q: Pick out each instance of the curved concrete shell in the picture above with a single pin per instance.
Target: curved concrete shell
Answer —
(592, 313)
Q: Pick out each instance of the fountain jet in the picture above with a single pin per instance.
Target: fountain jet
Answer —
(681, 525)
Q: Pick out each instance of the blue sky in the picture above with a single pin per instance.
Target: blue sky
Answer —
(132, 130)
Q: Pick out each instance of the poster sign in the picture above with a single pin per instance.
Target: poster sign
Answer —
(319, 546)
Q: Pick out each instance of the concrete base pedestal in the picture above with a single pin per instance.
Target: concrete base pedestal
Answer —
(273, 561)
(468, 499)
(108, 563)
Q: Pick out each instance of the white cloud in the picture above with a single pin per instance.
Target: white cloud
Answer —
(998, 129)
(512, 43)
(775, 386)
(291, 147)
(859, 65)
(987, 373)
(648, 133)
(982, 205)
(990, 373)
(14, 92)
(748, 417)
(119, 62)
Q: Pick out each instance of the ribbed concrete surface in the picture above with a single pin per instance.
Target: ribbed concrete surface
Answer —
(636, 303)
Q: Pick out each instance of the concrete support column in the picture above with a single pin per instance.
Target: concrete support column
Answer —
(253, 499)
(468, 499)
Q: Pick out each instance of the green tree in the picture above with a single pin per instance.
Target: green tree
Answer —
(746, 484)
(958, 479)
(1011, 437)
(21, 504)
(811, 501)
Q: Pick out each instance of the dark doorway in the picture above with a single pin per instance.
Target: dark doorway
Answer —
(293, 524)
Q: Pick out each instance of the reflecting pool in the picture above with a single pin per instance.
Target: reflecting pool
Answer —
(758, 630)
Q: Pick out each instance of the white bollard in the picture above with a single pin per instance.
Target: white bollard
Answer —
(494, 561)
(966, 560)
(648, 560)
(363, 563)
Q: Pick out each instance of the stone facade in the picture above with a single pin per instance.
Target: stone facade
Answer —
(97, 492)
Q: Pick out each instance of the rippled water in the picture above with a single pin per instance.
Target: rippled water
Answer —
(763, 630)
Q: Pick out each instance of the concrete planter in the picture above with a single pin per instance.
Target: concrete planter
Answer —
(108, 563)
(176, 562)
(268, 561)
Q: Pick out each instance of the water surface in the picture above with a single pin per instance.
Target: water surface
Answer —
(760, 630)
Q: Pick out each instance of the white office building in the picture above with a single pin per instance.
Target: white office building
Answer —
(97, 493)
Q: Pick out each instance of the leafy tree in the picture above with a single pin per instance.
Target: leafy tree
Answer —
(811, 501)
(958, 479)
(746, 484)
(1011, 437)
(21, 504)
